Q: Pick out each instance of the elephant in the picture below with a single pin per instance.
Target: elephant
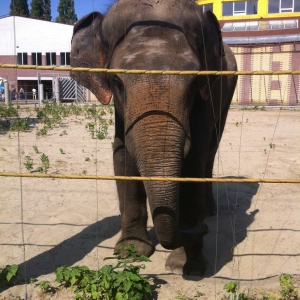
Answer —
(165, 125)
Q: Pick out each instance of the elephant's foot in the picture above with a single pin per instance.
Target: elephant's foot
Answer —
(143, 247)
(186, 261)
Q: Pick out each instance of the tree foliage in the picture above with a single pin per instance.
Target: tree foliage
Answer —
(41, 9)
(47, 10)
(66, 12)
(37, 9)
(19, 8)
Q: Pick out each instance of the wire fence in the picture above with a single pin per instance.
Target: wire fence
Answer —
(235, 218)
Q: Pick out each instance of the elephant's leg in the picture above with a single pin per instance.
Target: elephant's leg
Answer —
(132, 203)
(216, 135)
(188, 260)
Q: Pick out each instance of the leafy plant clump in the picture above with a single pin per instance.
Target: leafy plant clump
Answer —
(121, 281)
(233, 288)
(19, 125)
(45, 164)
(28, 163)
(288, 290)
(9, 273)
(8, 111)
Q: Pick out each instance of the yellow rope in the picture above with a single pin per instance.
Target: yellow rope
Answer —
(152, 72)
(137, 178)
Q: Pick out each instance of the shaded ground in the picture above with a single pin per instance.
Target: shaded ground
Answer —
(254, 237)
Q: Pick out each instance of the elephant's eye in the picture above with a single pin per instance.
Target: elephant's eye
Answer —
(118, 84)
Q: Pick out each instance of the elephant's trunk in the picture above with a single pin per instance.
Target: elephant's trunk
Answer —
(159, 152)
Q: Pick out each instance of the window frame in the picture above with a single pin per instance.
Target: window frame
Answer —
(36, 58)
(50, 58)
(231, 10)
(279, 7)
(206, 7)
(239, 12)
(22, 58)
(286, 10)
(65, 59)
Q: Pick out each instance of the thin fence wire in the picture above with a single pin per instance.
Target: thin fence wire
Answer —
(141, 178)
(151, 72)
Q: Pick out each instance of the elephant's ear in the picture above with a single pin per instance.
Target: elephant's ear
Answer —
(219, 50)
(210, 50)
(89, 50)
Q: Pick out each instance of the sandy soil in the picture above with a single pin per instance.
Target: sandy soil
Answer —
(253, 239)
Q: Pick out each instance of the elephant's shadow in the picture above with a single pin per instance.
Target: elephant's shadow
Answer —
(228, 227)
(71, 250)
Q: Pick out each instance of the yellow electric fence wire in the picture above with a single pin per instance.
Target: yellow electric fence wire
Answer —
(140, 178)
(152, 72)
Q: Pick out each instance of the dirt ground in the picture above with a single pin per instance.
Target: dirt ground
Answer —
(253, 239)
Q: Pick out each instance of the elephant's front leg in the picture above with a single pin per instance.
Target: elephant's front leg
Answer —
(132, 203)
(189, 260)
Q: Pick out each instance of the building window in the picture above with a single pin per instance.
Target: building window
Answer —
(240, 8)
(36, 58)
(207, 7)
(64, 58)
(50, 58)
(22, 59)
(283, 6)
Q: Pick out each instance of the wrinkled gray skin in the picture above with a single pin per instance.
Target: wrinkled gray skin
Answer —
(164, 125)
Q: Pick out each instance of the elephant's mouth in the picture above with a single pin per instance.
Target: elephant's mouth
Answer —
(157, 113)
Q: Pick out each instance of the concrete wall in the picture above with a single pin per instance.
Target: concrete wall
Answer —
(29, 35)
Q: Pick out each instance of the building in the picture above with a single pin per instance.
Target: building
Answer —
(264, 35)
(26, 41)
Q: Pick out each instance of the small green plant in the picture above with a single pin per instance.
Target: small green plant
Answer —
(288, 290)
(64, 133)
(84, 172)
(32, 280)
(9, 273)
(61, 150)
(233, 288)
(121, 281)
(28, 163)
(272, 146)
(35, 148)
(19, 125)
(43, 131)
(45, 164)
(87, 159)
(45, 285)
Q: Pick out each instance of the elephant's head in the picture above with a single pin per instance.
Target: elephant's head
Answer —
(153, 110)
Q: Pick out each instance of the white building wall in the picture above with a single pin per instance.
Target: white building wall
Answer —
(20, 34)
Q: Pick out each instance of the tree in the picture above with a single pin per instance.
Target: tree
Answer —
(47, 10)
(41, 9)
(19, 8)
(66, 12)
(37, 9)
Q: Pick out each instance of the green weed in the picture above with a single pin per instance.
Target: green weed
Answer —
(45, 285)
(9, 273)
(28, 163)
(121, 281)
(35, 148)
(45, 164)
